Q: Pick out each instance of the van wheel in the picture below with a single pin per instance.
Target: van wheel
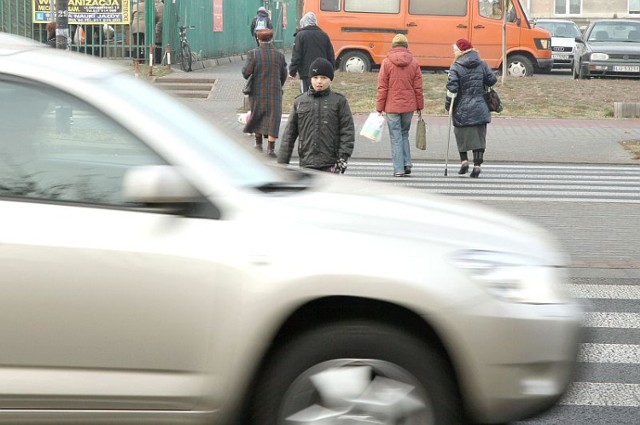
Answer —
(356, 372)
(355, 61)
(519, 66)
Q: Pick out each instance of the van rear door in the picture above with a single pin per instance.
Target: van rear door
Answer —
(433, 26)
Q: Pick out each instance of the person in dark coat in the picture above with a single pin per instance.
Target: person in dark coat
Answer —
(310, 43)
(322, 121)
(262, 16)
(51, 34)
(269, 70)
(468, 77)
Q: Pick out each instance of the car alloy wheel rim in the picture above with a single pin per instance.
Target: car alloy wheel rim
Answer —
(356, 391)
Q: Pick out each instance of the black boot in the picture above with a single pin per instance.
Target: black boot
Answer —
(258, 144)
(271, 149)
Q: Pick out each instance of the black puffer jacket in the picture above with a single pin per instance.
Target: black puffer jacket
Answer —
(310, 43)
(323, 124)
(467, 78)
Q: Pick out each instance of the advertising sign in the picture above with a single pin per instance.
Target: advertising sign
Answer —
(86, 11)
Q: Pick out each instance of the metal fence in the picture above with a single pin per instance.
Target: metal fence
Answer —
(229, 35)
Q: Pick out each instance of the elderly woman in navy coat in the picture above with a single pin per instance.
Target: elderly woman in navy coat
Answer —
(468, 77)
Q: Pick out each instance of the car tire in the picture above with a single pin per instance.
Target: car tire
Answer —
(323, 371)
(581, 72)
(355, 62)
(519, 66)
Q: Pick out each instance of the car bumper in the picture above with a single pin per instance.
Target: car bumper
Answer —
(517, 360)
(611, 69)
(562, 61)
(545, 64)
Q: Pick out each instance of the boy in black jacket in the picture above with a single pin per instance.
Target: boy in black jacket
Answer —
(322, 121)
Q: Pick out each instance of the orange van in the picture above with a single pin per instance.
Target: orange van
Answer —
(361, 32)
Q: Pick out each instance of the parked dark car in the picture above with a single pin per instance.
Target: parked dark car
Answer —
(609, 48)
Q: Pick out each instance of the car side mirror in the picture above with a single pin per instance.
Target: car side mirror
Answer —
(158, 185)
(579, 40)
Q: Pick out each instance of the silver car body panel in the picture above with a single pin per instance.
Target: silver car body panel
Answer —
(120, 315)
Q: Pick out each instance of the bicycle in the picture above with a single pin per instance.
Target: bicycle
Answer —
(185, 49)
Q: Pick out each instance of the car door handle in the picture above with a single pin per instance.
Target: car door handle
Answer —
(412, 24)
(479, 27)
(461, 26)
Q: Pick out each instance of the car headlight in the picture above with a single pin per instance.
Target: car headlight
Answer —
(543, 43)
(514, 278)
(599, 56)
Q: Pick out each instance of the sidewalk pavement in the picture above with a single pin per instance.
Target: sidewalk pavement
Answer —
(509, 139)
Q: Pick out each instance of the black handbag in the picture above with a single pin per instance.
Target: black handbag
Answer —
(493, 100)
(248, 85)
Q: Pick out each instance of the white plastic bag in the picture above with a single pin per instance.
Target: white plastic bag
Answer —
(373, 126)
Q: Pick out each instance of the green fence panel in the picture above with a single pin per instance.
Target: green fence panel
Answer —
(230, 36)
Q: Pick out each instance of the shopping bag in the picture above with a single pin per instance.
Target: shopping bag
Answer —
(79, 36)
(243, 118)
(248, 85)
(421, 134)
(493, 100)
(373, 126)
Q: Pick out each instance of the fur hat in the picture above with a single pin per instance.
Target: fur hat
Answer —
(464, 44)
(400, 40)
(321, 66)
(264, 35)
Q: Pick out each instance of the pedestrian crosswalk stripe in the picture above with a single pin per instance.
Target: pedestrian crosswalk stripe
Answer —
(609, 353)
(612, 320)
(619, 292)
(602, 394)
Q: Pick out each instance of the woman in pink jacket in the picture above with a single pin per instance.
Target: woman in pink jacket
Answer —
(399, 96)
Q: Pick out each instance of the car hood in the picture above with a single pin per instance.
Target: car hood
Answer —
(615, 47)
(563, 41)
(355, 205)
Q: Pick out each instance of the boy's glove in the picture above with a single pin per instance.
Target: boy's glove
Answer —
(341, 166)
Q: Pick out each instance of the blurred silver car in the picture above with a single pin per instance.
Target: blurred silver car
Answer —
(155, 271)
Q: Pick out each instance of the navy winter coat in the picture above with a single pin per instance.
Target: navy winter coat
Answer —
(468, 77)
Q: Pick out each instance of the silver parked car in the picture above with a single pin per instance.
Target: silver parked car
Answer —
(563, 40)
(609, 48)
(155, 271)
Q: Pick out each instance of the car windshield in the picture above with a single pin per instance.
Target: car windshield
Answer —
(560, 29)
(615, 32)
(213, 144)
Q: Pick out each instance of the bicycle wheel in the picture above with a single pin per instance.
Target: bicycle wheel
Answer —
(185, 60)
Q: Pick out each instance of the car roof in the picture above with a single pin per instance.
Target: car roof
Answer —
(567, 21)
(616, 21)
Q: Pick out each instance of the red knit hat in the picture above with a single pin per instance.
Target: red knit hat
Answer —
(464, 44)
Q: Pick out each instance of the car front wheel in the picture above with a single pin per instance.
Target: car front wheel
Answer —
(355, 61)
(356, 372)
(519, 66)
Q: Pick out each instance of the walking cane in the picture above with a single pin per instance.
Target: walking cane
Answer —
(446, 161)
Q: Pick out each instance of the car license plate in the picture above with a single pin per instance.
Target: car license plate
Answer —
(560, 56)
(626, 68)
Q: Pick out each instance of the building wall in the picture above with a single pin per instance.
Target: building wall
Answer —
(591, 9)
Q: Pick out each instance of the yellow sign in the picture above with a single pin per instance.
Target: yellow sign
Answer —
(86, 11)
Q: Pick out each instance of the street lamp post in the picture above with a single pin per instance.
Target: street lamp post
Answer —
(62, 24)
